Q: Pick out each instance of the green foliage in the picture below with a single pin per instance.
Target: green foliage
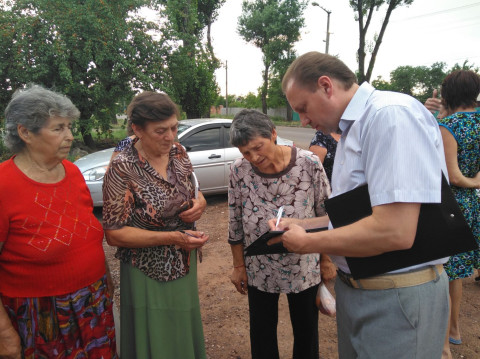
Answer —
(273, 26)
(193, 82)
(364, 10)
(419, 81)
(252, 101)
(5, 154)
(93, 51)
(191, 63)
(249, 101)
(219, 101)
(276, 97)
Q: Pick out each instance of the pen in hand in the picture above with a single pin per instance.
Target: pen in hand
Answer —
(279, 216)
(188, 234)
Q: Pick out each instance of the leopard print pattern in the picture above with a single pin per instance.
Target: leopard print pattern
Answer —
(136, 195)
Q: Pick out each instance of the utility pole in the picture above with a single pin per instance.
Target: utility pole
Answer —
(327, 41)
(226, 87)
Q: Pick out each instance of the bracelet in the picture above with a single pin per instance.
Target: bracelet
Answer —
(240, 266)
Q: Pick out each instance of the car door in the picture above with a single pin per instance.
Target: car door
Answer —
(205, 147)
(231, 152)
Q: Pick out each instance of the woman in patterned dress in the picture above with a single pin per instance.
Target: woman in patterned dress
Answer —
(54, 302)
(267, 177)
(325, 146)
(461, 138)
(144, 190)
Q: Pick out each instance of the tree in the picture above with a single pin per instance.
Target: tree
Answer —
(191, 63)
(193, 81)
(252, 101)
(363, 10)
(92, 51)
(273, 26)
(275, 93)
(419, 81)
(207, 14)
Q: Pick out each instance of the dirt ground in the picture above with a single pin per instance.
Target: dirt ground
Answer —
(225, 311)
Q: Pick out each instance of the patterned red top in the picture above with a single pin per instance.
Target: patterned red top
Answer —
(52, 240)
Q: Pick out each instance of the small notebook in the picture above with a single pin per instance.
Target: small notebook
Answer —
(260, 246)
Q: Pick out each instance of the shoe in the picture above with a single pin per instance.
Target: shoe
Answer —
(455, 341)
(477, 279)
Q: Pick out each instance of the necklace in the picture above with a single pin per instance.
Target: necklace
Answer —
(33, 170)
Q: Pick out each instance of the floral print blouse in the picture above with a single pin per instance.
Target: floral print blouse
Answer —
(327, 141)
(255, 197)
(135, 195)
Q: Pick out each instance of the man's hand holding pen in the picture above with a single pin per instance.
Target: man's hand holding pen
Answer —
(294, 238)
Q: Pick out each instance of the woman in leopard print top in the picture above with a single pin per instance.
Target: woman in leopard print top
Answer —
(144, 188)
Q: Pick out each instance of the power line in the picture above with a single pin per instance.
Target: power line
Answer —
(438, 12)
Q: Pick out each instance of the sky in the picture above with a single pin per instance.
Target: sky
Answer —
(426, 32)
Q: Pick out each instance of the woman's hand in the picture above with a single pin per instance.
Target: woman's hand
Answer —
(434, 104)
(190, 240)
(10, 347)
(193, 214)
(328, 270)
(477, 180)
(239, 279)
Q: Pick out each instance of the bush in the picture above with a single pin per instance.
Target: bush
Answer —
(5, 153)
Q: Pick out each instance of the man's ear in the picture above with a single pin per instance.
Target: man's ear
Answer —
(325, 84)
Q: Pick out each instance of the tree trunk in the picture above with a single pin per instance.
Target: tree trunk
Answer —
(362, 30)
(391, 6)
(289, 113)
(215, 62)
(87, 136)
(265, 89)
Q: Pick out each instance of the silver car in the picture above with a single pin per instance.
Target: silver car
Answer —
(207, 142)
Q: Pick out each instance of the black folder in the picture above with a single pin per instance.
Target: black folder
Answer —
(260, 246)
(442, 231)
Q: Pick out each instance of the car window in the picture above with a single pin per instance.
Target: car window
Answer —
(207, 139)
(226, 130)
(182, 127)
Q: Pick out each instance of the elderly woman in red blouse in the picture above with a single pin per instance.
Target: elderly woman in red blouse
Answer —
(54, 301)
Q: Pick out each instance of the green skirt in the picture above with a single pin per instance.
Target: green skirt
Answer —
(160, 320)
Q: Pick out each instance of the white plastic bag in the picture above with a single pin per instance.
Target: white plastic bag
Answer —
(325, 301)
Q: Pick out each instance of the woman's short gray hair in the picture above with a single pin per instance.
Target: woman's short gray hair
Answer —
(32, 107)
(248, 124)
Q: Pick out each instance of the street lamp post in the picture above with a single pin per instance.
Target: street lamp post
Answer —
(327, 41)
(226, 87)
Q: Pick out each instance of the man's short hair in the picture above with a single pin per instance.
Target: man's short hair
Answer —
(306, 70)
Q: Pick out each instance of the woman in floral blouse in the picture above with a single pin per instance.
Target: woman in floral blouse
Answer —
(267, 177)
(144, 189)
(460, 130)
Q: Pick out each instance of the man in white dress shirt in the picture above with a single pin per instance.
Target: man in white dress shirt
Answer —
(393, 143)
